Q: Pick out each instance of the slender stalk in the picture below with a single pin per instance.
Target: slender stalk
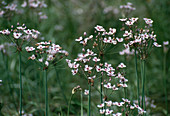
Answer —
(68, 110)
(20, 78)
(81, 103)
(143, 85)
(165, 86)
(59, 83)
(89, 100)
(46, 93)
(137, 78)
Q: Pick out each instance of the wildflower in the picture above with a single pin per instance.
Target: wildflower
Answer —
(86, 92)
(46, 63)
(100, 28)
(108, 85)
(123, 19)
(121, 65)
(102, 111)
(95, 59)
(156, 44)
(17, 35)
(29, 49)
(101, 105)
(108, 112)
(114, 87)
(108, 103)
(126, 100)
(79, 39)
(74, 71)
(87, 68)
(117, 114)
(32, 57)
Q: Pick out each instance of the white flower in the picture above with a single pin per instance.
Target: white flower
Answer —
(98, 69)
(117, 114)
(74, 71)
(129, 23)
(29, 49)
(95, 59)
(156, 44)
(123, 19)
(126, 34)
(119, 104)
(28, 31)
(24, 4)
(46, 63)
(126, 100)
(32, 57)
(102, 111)
(108, 85)
(108, 112)
(17, 35)
(101, 105)
(148, 21)
(123, 85)
(40, 47)
(114, 87)
(108, 103)
(86, 92)
(99, 28)
(121, 65)
(165, 42)
(112, 31)
(40, 60)
(79, 39)
(119, 39)
(87, 68)
(134, 19)
(50, 57)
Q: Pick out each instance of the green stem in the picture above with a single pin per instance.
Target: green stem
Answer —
(46, 93)
(165, 87)
(137, 78)
(68, 110)
(20, 77)
(59, 83)
(81, 103)
(143, 85)
(89, 100)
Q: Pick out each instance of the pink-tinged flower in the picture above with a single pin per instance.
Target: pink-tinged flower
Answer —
(74, 71)
(112, 31)
(90, 52)
(114, 87)
(75, 65)
(105, 40)
(28, 31)
(119, 104)
(117, 114)
(40, 60)
(46, 63)
(17, 35)
(114, 42)
(132, 107)
(5, 32)
(108, 86)
(79, 39)
(98, 69)
(126, 34)
(95, 59)
(32, 57)
(86, 92)
(148, 21)
(165, 43)
(156, 44)
(121, 65)
(126, 100)
(87, 68)
(24, 4)
(107, 65)
(35, 31)
(108, 103)
(119, 39)
(108, 112)
(99, 28)
(110, 73)
(123, 19)
(123, 85)
(35, 36)
(141, 111)
(129, 23)
(119, 75)
(81, 55)
(136, 106)
(102, 111)
(50, 57)
(40, 47)
(123, 80)
(134, 19)
(101, 105)
(21, 27)
(29, 49)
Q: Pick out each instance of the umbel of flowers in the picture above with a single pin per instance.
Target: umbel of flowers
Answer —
(90, 62)
(141, 41)
(46, 54)
(19, 36)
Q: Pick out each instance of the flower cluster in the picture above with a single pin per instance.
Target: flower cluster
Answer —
(141, 39)
(46, 53)
(20, 35)
(109, 107)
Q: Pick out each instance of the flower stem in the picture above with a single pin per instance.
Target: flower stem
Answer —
(46, 93)
(81, 103)
(137, 78)
(165, 87)
(20, 78)
(68, 111)
(143, 84)
(89, 100)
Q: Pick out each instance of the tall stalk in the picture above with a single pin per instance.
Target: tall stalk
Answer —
(68, 110)
(81, 102)
(46, 93)
(89, 100)
(137, 78)
(20, 78)
(165, 87)
(143, 84)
